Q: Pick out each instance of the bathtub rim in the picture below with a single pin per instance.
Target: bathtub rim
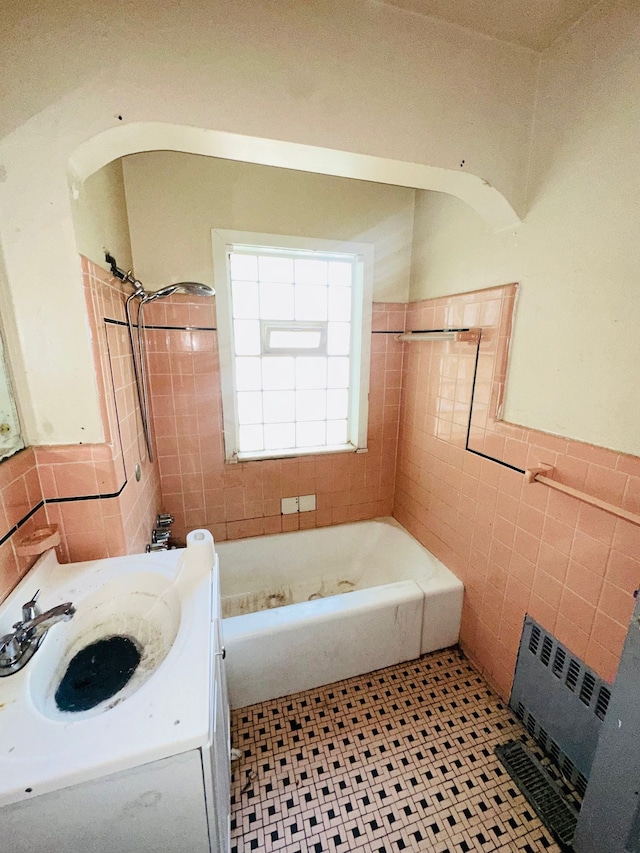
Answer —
(430, 568)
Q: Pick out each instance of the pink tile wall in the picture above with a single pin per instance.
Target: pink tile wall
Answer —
(89, 528)
(20, 495)
(518, 548)
(238, 500)
(111, 513)
(128, 518)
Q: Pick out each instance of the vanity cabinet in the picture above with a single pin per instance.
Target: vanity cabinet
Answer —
(156, 807)
(177, 804)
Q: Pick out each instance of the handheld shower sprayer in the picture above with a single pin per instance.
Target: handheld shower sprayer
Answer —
(193, 288)
(136, 331)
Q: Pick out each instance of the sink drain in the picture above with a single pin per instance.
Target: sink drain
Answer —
(96, 673)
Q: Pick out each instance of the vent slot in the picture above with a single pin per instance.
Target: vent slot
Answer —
(604, 695)
(558, 661)
(586, 690)
(573, 673)
(534, 639)
(542, 738)
(580, 784)
(545, 654)
(540, 790)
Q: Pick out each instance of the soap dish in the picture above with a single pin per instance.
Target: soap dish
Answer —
(39, 541)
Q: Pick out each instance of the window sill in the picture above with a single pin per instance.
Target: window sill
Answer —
(291, 453)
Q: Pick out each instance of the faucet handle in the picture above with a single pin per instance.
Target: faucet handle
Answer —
(10, 649)
(30, 609)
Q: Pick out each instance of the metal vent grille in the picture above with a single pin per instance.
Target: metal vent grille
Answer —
(545, 797)
(551, 748)
(560, 701)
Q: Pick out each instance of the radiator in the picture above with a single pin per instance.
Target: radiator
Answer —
(560, 701)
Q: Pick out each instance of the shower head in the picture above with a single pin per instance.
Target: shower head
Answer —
(195, 288)
(192, 287)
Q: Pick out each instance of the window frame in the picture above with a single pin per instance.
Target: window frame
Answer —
(223, 242)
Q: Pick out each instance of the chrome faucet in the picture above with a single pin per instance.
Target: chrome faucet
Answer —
(19, 646)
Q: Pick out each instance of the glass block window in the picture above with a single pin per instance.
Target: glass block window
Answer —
(293, 349)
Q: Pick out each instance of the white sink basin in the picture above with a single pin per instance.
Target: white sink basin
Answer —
(163, 604)
(143, 607)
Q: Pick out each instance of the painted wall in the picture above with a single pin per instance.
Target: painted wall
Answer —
(360, 77)
(172, 241)
(576, 345)
(100, 217)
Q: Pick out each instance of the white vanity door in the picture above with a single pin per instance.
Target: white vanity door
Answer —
(153, 808)
(216, 759)
(220, 765)
(220, 736)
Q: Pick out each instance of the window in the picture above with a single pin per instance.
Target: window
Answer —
(294, 322)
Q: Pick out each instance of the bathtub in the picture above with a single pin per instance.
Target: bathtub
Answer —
(311, 607)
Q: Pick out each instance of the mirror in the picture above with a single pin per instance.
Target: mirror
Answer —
(10, 437)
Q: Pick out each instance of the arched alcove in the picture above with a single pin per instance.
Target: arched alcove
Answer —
(117, 142)
(68, 371)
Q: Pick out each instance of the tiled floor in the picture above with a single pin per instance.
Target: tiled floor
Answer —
(399, 759)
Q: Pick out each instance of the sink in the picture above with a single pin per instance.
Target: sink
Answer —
(159, 605)
(142, 610)
(159, 735)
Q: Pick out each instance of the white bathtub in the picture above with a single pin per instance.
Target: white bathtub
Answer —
(311, 607)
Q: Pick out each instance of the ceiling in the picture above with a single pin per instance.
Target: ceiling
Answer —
(529, 23)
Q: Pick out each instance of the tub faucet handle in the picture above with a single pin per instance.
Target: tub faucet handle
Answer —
(157, 546)
(160, 534)
(164, 519)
